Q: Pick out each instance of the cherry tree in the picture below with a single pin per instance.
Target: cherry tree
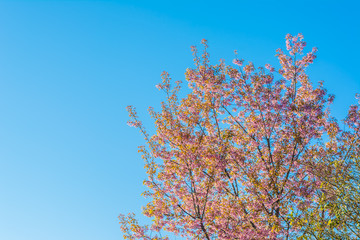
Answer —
(238, 157)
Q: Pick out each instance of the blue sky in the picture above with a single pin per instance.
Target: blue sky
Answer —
(68, 161)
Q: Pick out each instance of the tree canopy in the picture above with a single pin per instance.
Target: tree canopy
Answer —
(249, 153)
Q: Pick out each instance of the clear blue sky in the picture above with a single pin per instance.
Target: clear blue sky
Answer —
(68, 161)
